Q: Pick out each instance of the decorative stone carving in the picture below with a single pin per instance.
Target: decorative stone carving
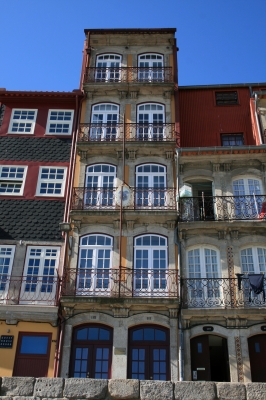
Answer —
(131, 154)
(77, 224)
(216, 167)
(89, 95)
(120, 312)
(234, 234)
(116, 224)
(227, 167)
(173, 312)
(167, 94)
(119, 154)
(122, 94)
(239, 359)
(170, 225)
(183, 234)
(134, 94)
(169, 155)
(130, 225)
(221, 235)
(83, 154)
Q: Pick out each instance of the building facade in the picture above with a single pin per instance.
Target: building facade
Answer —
(36, 141)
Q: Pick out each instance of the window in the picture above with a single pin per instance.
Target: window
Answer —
(248, 200)
(108, 68)
(40, 275)
(51, 181)
(22, 121)
(253, 260)
(100, 180)
(59, 122)
(104, 122)
(232, 139)
(204, 273)
(151, 122)
(6, 261)
(148, 355)
(150, 265)
(12, 180)
(151, 184)
(95, 263)
(150, 67)
(226, 98)
(92, 352)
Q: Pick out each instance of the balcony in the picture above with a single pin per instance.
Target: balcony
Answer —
(128, 75)
(102, 198)
(220, 293)
(123, 282)
(222, 208)
(108, 132)
(38, 290)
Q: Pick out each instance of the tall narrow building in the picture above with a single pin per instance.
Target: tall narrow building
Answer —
(120, 287)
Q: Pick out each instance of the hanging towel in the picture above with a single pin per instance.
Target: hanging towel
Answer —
(239, 280)
(256, 282)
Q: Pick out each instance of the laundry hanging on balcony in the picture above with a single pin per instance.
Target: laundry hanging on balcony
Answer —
(256, 282)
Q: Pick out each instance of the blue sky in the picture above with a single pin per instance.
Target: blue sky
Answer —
(220, 41)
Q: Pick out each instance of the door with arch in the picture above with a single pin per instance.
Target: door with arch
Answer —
(148, 357)
(99, 186)
(91, 352)
(209, 358)
(257, 357)
(104, 122)
(151, 122)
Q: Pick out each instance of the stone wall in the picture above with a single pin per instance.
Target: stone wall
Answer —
(79, 388)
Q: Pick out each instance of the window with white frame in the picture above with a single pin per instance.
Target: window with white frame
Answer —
(12, 180)
(248, 197)
(59, 122)
(6, 262)
(95, 263)
(150, 264)
(104, 122)
(22, 121)
(253, 260)
(151, 122)
(203, 273)
(51, 181)
(151, 184)
(100, 185)
(108, 68)
(40, 274)
(150, 67)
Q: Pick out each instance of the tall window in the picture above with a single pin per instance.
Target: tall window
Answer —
(100, 181)
(248, 200)
(148, 354)
(253, 260)
(150, 265)
(150, 67)
(22, 121)
(6, 261)
(91, 352)
(108, 68)
(104, 122)
(40, 275)
(151, 184)
(95, 263)
(204, 273)
(151, 122)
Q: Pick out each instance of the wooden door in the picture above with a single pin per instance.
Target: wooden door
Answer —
(257, 356)
(200, 358)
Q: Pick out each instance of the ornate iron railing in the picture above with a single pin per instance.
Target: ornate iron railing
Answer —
(128, 75)
(121, 282)
(102, 198)
(29, 289)
(222, 208)
(220, 292)
(110, 132)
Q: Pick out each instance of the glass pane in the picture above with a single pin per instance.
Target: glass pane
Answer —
(82, 334)
(34, 345)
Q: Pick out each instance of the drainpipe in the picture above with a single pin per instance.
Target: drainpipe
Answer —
(180, 328)
(121, 204)
(256, 117)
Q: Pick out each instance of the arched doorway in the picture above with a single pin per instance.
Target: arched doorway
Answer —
(148, 355)
(91, 353)
(257, 356)
(209, 359)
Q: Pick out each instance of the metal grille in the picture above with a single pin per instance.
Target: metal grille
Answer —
(128, 75)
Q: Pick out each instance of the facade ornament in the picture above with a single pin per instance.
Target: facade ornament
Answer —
(130, 225)
(83, 154)
(227, 167)
(234, 234)
(216, 167)
(120, 312)
(222, 235)
(131, 154)
(169, 155)
(77, 224)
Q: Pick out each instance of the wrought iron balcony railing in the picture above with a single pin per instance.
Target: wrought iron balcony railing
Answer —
(222, 208)
(116, 132)
(121, 282)
(128, 75)
(220, 292)
(102, 198)
(41, 290)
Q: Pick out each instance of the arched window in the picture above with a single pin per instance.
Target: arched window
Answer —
(150, 266)
(151, 185)
(204, 283)
(104, 122)
(149, 353)
(91, 352)
(100, 182)
(108, 68)
(150, 67)
(151, 121)
(248, 200)
(94, 265)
